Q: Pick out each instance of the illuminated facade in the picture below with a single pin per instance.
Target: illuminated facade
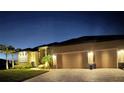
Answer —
(101, 52)
(23, 56)
(28, 56)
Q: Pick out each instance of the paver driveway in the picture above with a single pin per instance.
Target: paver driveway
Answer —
(80, 75)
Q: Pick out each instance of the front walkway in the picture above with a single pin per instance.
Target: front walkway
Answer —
(80, 75)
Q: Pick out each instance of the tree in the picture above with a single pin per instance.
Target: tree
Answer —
(8, 50)
(12, 51)
(47, 60)
(4, 49)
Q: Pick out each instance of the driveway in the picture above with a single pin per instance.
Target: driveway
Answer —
(80, 75)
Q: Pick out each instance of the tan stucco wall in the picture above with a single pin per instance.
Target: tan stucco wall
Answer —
(33, 57)
(85, 60)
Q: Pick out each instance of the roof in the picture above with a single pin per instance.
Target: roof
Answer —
(86, 39)
(28, 49)
(83, 39)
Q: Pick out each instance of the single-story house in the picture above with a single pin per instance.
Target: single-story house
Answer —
(96, 51)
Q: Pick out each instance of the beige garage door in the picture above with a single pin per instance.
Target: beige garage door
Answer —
(74, 60)
(106, 59)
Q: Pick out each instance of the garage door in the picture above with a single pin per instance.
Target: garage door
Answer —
(106, 59)
(74, 60)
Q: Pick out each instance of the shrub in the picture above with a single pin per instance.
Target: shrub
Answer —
(42, 66)
(23, 66)
(48, 61)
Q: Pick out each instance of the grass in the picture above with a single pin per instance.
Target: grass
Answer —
(18, 75)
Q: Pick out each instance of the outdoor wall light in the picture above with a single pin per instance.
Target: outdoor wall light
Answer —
(54, 56)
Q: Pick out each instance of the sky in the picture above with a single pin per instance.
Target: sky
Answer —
(30, 29)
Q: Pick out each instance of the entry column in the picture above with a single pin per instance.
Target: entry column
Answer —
(120, 58)
(91, 60)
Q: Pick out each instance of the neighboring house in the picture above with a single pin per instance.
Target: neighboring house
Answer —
(97, 51)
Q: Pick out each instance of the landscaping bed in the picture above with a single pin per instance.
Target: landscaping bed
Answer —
(18, 75)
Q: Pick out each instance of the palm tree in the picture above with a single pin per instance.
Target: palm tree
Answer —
(6, 53)
(8, 50)
(48, 61)
(12, 51)
(4, 49)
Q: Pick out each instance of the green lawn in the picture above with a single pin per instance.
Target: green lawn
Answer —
(18, 75)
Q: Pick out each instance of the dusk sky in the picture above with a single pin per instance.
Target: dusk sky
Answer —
(30, 29)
